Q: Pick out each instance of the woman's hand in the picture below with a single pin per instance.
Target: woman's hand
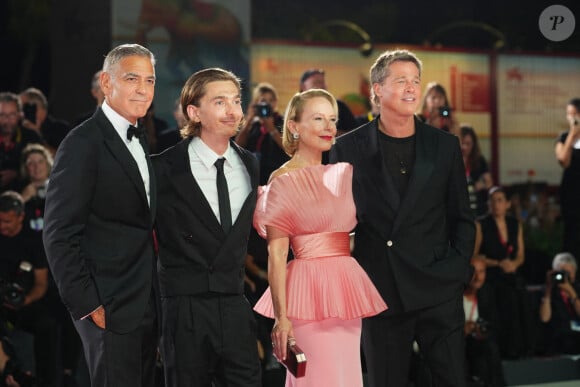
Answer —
(469, 328)
(507, 265)
(281, 333)
(567, 287)
(29, 192)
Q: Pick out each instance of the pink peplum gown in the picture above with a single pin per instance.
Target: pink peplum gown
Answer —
(327, 291)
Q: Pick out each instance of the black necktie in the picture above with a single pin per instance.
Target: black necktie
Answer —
(134, 131)
(223, 196)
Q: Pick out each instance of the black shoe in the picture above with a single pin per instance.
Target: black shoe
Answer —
(69, 381)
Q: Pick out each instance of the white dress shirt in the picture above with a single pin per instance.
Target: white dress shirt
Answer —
(121, 125)
(202, 159)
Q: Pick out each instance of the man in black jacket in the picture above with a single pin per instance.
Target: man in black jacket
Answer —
(415, 231)
(98, 234)
(207, 195)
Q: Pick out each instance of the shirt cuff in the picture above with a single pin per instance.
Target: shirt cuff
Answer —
(97, 308)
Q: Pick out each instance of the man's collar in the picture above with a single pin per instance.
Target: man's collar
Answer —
(120, 123)
(207, 155)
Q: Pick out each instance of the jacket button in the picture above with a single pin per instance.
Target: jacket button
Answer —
(188, 237)
(210, 269)
(389, 243)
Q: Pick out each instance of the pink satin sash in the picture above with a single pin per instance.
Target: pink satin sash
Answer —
(321, 245)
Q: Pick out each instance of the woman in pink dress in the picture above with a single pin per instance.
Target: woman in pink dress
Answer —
(320, 297)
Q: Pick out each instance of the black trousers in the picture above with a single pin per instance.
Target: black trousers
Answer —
(209, 339)
(121, 360)
(37, 320)
(438, 330)
(484, 361)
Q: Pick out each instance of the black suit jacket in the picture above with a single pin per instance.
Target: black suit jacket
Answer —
(195, 254)
(415, 249)
(98, 226)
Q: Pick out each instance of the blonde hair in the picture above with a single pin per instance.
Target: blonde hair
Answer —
(294, 112)
(262, 88)
(31, 149)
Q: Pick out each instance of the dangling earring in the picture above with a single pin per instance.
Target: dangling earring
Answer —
(333, 140)
(295, 136)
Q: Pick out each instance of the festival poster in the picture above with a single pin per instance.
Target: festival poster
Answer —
(532, 95)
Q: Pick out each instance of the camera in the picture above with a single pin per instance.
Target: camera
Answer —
(11, 294)
(41, 192)
(445, 112)
(263, 109)
(482, 328)
(29, 110)
(13, 291)
(559, 277)
(12, 366)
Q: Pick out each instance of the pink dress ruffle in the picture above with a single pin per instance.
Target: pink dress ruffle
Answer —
(315, 207)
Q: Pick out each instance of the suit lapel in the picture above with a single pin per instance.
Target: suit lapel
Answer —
(120, 152)
(252, 167)
(152, 181)
(369, 145)
(425, 150)
(190, 192)
(249, 162)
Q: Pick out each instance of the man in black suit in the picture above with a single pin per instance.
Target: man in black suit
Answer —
(100, 209)
(204, 217)
(415, 233)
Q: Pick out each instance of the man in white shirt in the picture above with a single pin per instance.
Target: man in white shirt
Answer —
(207, 195)
(98, 234)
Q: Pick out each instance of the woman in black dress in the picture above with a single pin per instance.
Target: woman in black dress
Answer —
(499, 240)
(479, 179)
(568, 155)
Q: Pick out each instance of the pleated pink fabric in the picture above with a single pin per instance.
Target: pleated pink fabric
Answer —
(327, 291)
(332, 349)
(314, 205)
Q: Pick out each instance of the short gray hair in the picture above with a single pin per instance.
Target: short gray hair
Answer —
(124, 50)
(563, 258)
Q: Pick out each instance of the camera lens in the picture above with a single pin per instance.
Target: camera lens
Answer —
(444, 111)
(263, 109)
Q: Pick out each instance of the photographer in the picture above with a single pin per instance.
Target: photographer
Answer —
(13, 139)
(261, 133)
(25, 284)
(436, 109)
(560, 307)
(35, 170)
(36, 117)
(481, 347)
(11, 375)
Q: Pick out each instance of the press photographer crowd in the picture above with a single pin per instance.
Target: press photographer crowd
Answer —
(522, 301)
